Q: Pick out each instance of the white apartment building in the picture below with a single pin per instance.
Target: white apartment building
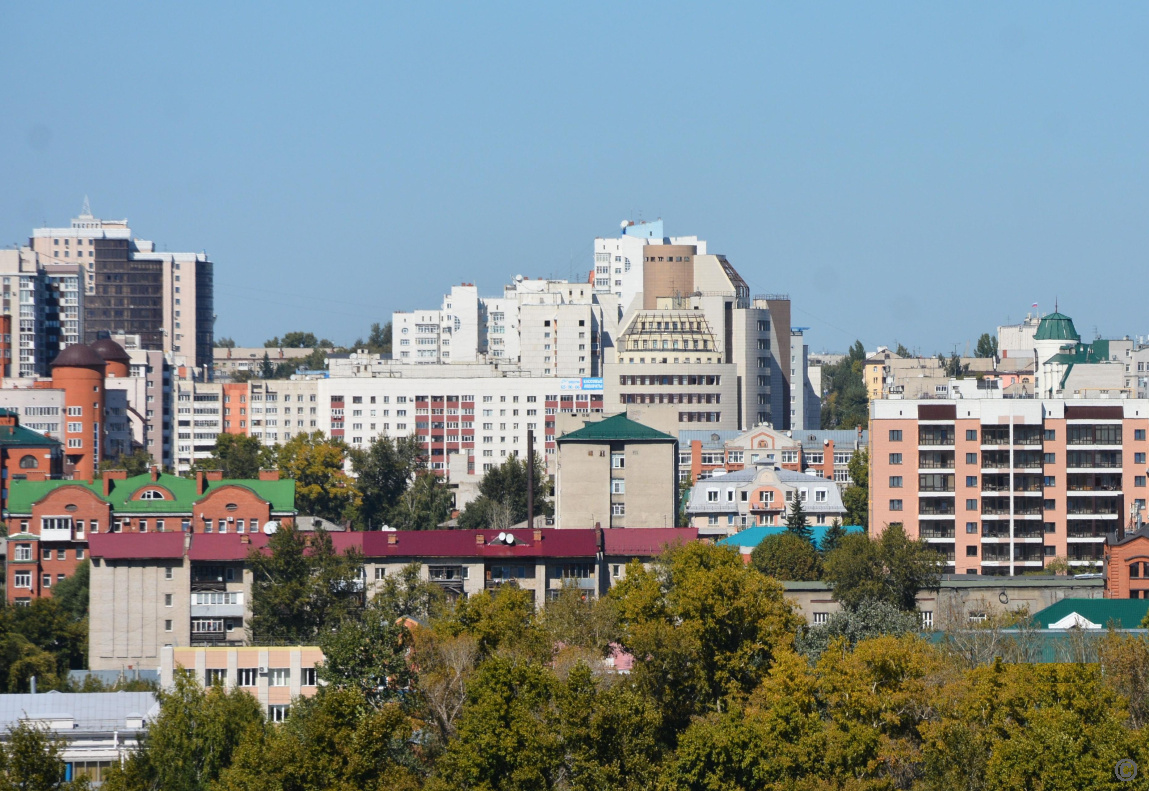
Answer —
(198, 408)
(45, 301)
(805, 395)
(131, 287)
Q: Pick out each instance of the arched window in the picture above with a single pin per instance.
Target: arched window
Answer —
(29, 462)
(152, 494)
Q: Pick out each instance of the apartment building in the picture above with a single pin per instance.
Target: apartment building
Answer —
(806, 390)
(826, 453)
(760, 495)
(51, 523)
(128, 286)
(1001, 486)
(42, 300)
(616, 472)
(227, 362)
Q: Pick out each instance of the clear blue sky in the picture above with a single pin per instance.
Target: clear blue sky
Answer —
(914, 172)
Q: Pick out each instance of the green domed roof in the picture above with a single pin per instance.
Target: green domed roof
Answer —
(1056, 327)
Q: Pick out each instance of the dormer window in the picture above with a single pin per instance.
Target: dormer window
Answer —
(152, 494)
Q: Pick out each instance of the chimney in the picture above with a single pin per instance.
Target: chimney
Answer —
(200, 482)
(479, 540)
(214, 475)
(269, 475)
(113, 475)
(155, 472)
(392, 538)
(538, 535)
(245, 538)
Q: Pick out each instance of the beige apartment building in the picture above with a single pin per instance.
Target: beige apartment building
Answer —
(1002, 486)
(616, 472)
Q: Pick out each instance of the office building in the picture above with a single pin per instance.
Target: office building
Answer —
(760, 495)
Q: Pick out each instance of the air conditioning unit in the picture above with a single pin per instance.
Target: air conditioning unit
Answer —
(231, 519)
(263, 671)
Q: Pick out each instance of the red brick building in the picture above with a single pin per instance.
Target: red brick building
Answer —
(1127, 565)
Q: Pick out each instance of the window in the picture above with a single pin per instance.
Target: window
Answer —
(618, 486)
(927, 619)
(1049, 458)
(1050, 434)
(971, 505)
(971, 434)
(277, 713)
(167, 600)
(307, 677)
(247, 677)
(1138, 458)
(971, 480)
(821, 618)
(168, 573)
(617, 461)
(971, 551)
(895, 482)
(22, 579)
(895, 435)
(617, 509)
(895, 505)
(23, 552)
(1139, 480)
(279, 677)
(380, 573)
(971, 458)
(1050, 505)
(971, 527)
(152, 494)
(214, 675)
(1050, 527)
(1139, 433)
(711, 495)
(895, 458)
(167, 625)
(46, 581)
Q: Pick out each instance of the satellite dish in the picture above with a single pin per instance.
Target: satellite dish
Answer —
(510, 538)
(518, 278)
(270, 527)
(502, 537)
(622, 224)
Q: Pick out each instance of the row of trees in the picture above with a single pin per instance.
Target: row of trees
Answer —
(378, 341)
(728, 690)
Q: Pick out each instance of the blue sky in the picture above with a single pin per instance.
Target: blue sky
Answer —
(906, 172)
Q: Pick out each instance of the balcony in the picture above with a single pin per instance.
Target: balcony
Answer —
(208, 585)
(53, 534)
(930, 533)
(936, 508)
(217, 611)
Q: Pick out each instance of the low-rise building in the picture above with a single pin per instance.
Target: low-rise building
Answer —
(761, 495)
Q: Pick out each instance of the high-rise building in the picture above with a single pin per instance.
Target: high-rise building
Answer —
(130, 287)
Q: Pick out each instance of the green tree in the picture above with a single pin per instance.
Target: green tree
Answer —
(295, 340)
(891, 569)
(832, 538)
(796, 521)
(315, 463)
(224, 343)
(425, 505)
(869, 619)
(334, 740)
(239, 457)
(45, 639)
(266, 367)
(681, 519)
(137, 462)
(192, 741)
(383, 471)
(856, 498)
(507, 485)
(787, 556)
(902, 351)
(845, 399)
(32, 760)
(301, 587)
(71, 593)
(986, 346)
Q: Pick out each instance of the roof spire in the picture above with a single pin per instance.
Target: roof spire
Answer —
(86, 209)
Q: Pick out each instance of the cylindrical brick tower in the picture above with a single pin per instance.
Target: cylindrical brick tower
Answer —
(118, 360)
(79, 372)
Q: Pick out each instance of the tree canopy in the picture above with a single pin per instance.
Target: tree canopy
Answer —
(502, 499)
(891, 569)
(845, 399)
(383, 471)
(856, 498)
(787, 556)
(322, 488)
(986, 346)
(239, 456)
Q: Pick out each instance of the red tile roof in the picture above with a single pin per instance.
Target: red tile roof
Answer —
(226, 546)
(463, 543)
(132, 546)
(645, 541)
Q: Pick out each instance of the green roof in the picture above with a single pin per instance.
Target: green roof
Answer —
(616, 427)
(1124, 613)
(1056, 327)
(22, 494)
(20, 437)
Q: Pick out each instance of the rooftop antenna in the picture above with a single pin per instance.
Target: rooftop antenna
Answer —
(86, 210)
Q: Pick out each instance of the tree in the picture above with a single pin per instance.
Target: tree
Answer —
(892, 569)
(681, 519)
(383, 472)
(137, 462)
(507, 484)
(224, 343)
(796, 520)
(192, 741)
(71, 593)
(845, 398)
(787, 556)
(32, 760)
(986, 346)
(239, 457)
(902, 351)
(315, 463)
(870, 618)
(856, 498)
(44, 639)
(425, 505)
(832, 537)
(296, 340)
(300, 587)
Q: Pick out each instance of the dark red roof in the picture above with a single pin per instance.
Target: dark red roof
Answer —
(78, 356)
(645, 541)
(136, 546)
(555, 543)
(109, 350)
(226, 546)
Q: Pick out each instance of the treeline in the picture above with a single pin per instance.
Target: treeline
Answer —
(378, 341)
(726, 689)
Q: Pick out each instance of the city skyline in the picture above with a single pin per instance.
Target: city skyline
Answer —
(844, 158)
